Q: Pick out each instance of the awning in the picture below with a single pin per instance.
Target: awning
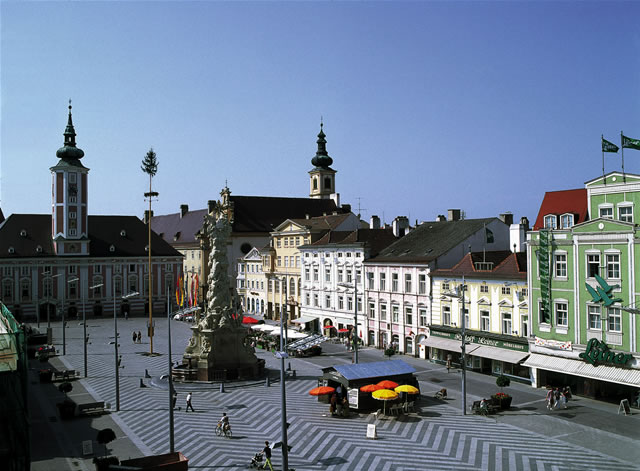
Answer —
(303, 319)
(502, 354)
(442, 343)
(630, 377)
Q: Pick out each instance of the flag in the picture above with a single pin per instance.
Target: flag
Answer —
(178, 291)
(196, 289)
(630, 143)
(608, 146)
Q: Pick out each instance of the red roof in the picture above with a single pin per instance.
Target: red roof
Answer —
(563, 202)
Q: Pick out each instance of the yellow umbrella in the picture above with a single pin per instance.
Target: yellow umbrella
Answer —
(384, 395)
(407, 388)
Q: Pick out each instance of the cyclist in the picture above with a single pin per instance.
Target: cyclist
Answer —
(224, 422)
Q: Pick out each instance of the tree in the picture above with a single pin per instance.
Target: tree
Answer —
(150, 167)
(106, 435)
(390, 352)
(502, 381)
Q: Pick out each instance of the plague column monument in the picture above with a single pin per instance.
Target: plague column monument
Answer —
(218, 348)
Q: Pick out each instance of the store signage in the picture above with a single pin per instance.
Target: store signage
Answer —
(602, 293)
(481, 340)
(543, 264)
(598, 352)
(555, 344)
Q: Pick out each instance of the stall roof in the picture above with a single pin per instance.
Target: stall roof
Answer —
(372, 370)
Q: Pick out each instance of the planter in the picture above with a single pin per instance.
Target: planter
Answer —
(104, 464)
(45, 376)
(67, 409)
(503, 401)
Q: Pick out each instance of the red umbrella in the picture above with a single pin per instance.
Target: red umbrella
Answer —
(322, 390)
(387, 384)
(343, 330)
(249, 320)
(329, 327)
(370, 388)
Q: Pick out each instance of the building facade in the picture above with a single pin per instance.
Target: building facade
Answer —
(583, 263)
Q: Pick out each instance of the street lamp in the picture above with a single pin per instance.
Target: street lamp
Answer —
(171, 440)
(49, 289)
(282, 354)
(84, 318)
(355, 315)
(115, 343)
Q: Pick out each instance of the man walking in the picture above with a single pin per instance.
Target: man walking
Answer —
(189, 403)
(267, 456)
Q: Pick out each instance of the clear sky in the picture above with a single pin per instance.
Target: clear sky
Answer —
(427, 106)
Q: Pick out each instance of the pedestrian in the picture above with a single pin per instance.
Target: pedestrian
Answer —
(339, 391)
(267, 456)
(135, 336)
(563, 399)
(550, 399)
(448, 362)
(556, 396)
(332, 404)
(139, 337)
(126, 315)
(174, 400)
(189, 403)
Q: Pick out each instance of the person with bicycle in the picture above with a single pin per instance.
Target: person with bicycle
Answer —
(223, 423)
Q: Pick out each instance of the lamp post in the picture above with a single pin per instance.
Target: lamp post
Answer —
(459, 294)
(49, 289)
(115, 343)
(171, 440)
(355, 315)
(282, 354)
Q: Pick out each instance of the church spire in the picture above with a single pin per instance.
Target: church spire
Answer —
(69, 152)
(322, 158)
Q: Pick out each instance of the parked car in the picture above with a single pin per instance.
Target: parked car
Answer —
(188, 318)
(178, 317)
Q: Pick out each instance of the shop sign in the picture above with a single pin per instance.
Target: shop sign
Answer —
(481, 340)
(602, 293)
(598, 352)
(555, 344)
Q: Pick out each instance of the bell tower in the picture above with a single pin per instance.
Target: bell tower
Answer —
(69, 206)
(322, 177)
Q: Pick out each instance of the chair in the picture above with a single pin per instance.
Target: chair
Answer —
(409, 407)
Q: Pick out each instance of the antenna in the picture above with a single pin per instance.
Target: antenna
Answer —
(359, 208)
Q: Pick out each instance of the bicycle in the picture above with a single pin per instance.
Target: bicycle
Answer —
(220, 430)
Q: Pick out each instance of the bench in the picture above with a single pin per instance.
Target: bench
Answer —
(490, 408)
(89, 408)
(64, 375)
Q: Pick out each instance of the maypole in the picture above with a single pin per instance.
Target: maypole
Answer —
(150, 167)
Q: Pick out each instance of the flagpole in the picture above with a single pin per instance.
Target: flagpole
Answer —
(602, 147)
(624, 178)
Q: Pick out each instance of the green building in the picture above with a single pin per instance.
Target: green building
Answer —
(583, 256)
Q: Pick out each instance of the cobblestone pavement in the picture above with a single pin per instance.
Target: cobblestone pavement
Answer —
(587, 436)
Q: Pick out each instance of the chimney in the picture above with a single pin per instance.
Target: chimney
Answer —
(374, 222)
(440, 218)
(306, 216)
(523, 221)
(507, 218)
(184, 209)
(336, 199)
(346, 208)
(453, 215)
(400, 226)
(211, 204)
(146, 216)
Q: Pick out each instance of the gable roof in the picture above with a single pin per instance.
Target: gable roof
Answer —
(176, 229)
(505, 265)
(563, 202)
(104, 231)
(430, 240)
(318, 223)
(373, 239)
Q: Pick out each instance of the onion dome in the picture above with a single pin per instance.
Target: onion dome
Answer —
(69, 152)
(321, 158)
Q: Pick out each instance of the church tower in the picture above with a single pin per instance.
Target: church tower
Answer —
(69, 208)
(322, 176)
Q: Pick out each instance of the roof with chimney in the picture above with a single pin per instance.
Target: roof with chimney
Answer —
(373, 239)
(564, 202)
(179, 228)
(29, 235)
(430, 240)
(501, 264)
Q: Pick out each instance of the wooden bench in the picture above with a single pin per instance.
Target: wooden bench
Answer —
(89, 408)
(491, 408)
(64, 375)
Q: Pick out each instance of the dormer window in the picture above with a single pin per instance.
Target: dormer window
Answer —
(625, 213)
(112, 248)
(566, 221)
(23, 233)
(606, 211)
(484, 266)
(550, 221)
(176, 236)
(12, 250)
(39, 249)
(123, 233)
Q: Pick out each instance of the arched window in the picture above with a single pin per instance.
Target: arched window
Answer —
(97, 291)
(315, 183)
(132, 283)
(25, 290)
(117, 282)
(7, 291)
(408, 345)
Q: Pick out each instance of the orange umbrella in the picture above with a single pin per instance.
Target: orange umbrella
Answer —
(386, 384)
(322, 390)
(370, 388)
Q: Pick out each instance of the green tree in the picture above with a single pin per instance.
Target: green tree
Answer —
(150, 165)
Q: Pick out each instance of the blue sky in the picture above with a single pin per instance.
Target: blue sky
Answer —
(427, 106)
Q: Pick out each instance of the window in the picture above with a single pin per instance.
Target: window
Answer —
(25, 290)
(73, 289)
(372, 310)
(408, 315)
(606, 212)
(484, 321)
(550, 221)
(562, 315)
(595, 320)
(525, 292)
(543, 315)
(307, 299)
(279, 261)
(614, 319)
(73, 270)
(97, 291)
(359, 304)
(316, 275)
(383, 312)
(286, 261)
(348, 254)
(315, 301)
(47, 287)
(566, 221)
(423, 317)
(394, 282)
(117, 282)
(445, 286)
(132, 268)
(278, 243)
(7, 290)
(560, 262)
(117, 268)
(341, 303)
(625, 213)
(327, 274)
(370, 280)
(613, 265)
(506, 323)
(340, 275)
(383, 280)
(8, 271)
(446, 315)
(349, 275)
(286, 242)
(132, 283)
(358, 276)
(484, 288)
(422, 284)
(349, 303)
(593, 265)
(395, 314)
(407, 283)
(506, 290)
(297, 261)
(327, 301)
(525, 326)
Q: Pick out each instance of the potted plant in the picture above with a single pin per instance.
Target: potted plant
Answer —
(389, 352)
(502, 398)
(45, 375)
(67, 409)
(103, 463)
(65, 387)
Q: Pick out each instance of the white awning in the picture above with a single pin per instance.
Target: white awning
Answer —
(502, 354)
(630, 377)
(442, 343)
(303, 319)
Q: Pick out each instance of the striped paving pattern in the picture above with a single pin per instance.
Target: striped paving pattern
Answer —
(436, 437)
